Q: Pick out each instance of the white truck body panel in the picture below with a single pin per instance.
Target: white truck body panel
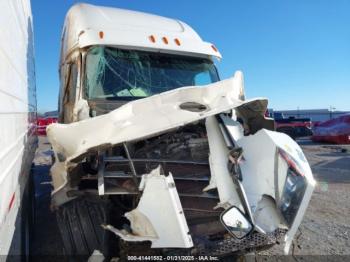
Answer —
(148, 222)
(17, 111)
(258, 167)
(159, 193)
(88, 25)
(218, 165)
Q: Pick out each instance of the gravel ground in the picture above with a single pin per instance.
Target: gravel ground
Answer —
(325, 228)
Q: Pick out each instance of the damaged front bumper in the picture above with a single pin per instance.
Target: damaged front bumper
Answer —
(163, 215)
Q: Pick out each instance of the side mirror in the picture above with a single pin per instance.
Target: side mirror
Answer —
(236, 223)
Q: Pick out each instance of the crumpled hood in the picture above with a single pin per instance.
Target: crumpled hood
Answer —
(147, 117)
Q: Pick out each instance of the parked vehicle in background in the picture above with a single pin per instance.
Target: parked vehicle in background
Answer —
(336, 131)
(292, 126)
(18, 140)
(42, 123)
(155, 155)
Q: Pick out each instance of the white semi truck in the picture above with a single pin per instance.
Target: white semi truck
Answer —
(155, 155)
(18, 139)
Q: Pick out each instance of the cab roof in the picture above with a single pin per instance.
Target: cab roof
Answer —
(86, 25)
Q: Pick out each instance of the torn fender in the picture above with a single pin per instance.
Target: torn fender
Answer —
(264, 175)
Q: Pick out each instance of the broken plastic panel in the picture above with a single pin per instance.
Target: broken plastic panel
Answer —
(159, 216)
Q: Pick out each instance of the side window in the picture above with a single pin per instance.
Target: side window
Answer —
(69, 93)
(71, 85)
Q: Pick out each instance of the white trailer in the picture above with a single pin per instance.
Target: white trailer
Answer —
(18, 139)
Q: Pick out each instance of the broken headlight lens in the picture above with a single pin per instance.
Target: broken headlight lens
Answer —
(293, 190)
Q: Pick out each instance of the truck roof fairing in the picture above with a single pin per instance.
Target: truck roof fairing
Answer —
(86, 25)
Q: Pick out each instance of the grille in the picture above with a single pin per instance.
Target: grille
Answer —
(231, 244)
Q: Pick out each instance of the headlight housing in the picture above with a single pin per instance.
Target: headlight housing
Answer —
(293, 190)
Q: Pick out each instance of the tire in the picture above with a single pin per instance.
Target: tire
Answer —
(79, 223)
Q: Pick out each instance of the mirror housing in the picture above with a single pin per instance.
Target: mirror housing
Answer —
(236, 223)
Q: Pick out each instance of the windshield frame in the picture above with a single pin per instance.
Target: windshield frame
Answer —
(132, 98)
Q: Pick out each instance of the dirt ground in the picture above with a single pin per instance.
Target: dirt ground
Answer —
(325, 229)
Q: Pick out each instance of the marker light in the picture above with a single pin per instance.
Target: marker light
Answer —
(177, 41)
(165, 40)
(152, 38)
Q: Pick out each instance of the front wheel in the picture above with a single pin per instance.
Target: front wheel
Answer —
(79, 223)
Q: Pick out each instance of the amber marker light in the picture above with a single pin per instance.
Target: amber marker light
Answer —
(152, 38)
(165, 40)
(177, 41)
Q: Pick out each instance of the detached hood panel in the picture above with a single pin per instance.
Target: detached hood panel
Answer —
(148, 117)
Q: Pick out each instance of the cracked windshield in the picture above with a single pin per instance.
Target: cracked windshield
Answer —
(113, 73)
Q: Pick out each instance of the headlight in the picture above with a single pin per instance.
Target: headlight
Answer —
(293, 190)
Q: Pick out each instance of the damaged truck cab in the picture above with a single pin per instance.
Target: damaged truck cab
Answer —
(154, 154)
